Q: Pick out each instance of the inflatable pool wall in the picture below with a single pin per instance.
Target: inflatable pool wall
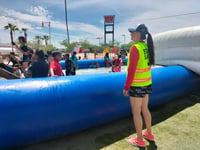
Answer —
(84, 64)
(33, 110)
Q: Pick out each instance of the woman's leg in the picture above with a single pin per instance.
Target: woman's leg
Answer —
(136, 105)
(146, 113)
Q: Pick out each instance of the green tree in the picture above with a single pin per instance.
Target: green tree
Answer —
(48, 47)
(69, 46)
(85, 44)
(12, 29)
(34, 45)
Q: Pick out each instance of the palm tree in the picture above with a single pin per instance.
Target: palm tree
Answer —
(12, 29)
(46, 38)
(38, 38)
(25, 33)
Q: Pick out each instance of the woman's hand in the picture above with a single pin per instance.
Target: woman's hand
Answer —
(125, 93)
(13, 43)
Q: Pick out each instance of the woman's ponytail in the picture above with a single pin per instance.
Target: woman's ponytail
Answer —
(151, 49)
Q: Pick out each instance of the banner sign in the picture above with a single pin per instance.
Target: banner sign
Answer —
(109, 19)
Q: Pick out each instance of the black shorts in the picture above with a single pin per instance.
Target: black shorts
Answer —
(26, 58)
(140, 91)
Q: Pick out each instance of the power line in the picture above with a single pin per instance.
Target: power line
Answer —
(158, 18)
(171, 16)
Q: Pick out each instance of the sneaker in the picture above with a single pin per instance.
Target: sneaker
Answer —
(147, 136)
(136, 142)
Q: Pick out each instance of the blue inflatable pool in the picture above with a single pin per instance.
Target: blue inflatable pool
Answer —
(84, 64)
(32, 110)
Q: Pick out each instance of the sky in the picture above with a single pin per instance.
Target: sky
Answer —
(85, 17)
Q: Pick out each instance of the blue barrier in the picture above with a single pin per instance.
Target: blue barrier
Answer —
(32, 110)
(83, 64)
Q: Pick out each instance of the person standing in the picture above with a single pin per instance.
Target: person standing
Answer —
(138, 84)
(55, 67)
(24, 50)
(75, 61)
(39, 68)
(107, 60)
(95, 54)
(117, 63)
(69, 65)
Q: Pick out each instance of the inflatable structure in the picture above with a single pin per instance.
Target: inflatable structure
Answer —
(84, 64)
(32, 110)
(179, 47)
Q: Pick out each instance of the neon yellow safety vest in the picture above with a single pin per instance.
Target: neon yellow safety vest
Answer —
(143, 70)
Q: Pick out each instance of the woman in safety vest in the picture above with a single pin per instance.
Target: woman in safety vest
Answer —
(139, 82)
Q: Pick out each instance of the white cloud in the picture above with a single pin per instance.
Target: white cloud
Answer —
(74, 4)
(24, 16)
(42, 15)
(77, 27)
(39, 11)
(128, 13)
(83, 27)
(5, 20)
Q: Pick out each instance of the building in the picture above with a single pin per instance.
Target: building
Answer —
(6, 48)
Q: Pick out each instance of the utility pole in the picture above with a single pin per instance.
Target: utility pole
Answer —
(124, 38)
(66, 20)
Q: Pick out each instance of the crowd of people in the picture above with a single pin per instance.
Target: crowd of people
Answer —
(37, 63)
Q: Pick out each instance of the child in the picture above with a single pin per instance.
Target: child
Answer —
(117, 64)
(69, 65)
(55, 67)
(75, 61)
(107, 60)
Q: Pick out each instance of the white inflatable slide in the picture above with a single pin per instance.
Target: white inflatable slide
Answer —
(179, 47)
